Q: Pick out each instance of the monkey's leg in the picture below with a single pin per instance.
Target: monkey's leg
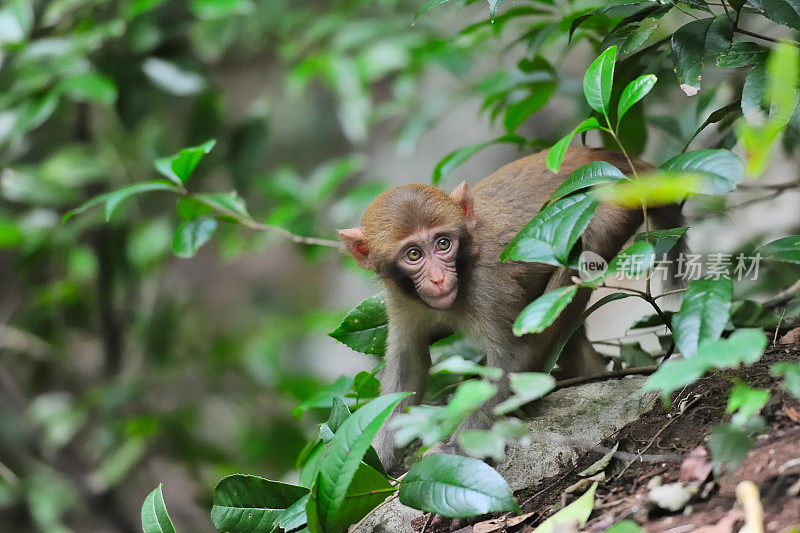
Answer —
(408, 361)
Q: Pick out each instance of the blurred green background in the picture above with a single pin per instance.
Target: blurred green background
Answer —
(121, 365)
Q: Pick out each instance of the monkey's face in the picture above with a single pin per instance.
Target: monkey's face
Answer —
(428, 258)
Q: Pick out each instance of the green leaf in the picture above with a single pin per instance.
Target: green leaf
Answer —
(324, 396)
(243, 503)
(458, 365)
(704, 312)
(457, 157)
(426, 6)
(786, 249)
(155, 518)
(527, 387)
(480, 443)
(661, 188)
(791, 376)
(366, 491)
(633, 355)
(456, 487)
(365, 328)
(493, 5)
(294, 516)
(343, 458)
(722, 169)
(191, 235)
(786, 12)
(551, 235)
(562, 341)
(633, 92)
(729, 444)
(600, 464)
(743, 346)
(662, 240)
(577, 511)
(594, 173)
(544, 310)
(556, 154)
(598, 80)
(179, 167)
(518, 112)
(690, 44)
(10, 234)
(189, 209)
(746, 402)
(751, 314)
(91, 86)
(626, 526)
(114, 199)
(742, 54)
(635, 260)
(435, 424)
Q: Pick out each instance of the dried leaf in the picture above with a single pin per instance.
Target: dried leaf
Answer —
(601, 464)
(696, 467)
(792, 337)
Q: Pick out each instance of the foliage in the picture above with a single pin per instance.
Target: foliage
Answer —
(95, 96)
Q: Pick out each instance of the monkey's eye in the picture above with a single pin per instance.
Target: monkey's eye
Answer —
(414, 254)
(443, 244)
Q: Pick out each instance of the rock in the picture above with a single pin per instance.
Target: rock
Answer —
(389, 517)
(583, 414)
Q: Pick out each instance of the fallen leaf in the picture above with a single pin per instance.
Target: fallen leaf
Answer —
(672, 497)
(585, 483)
(725, 525)
(748, 497)
(696, 467)
(600, 464)
(792, 413)
(792, 337)
(495, 524)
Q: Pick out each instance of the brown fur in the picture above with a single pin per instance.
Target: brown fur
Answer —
(491, 293)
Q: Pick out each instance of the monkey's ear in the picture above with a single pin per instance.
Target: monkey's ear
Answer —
(463, 198)
(353, 239)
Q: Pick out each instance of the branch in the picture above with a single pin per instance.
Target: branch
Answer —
(765, 38)
(637, 371)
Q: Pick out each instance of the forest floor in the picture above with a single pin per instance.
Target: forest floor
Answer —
(673, 434)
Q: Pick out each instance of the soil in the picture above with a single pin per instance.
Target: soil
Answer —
(666, 436)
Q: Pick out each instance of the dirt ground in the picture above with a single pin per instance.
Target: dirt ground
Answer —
(666, 437)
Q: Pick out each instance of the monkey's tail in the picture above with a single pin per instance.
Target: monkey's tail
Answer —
(669, 217)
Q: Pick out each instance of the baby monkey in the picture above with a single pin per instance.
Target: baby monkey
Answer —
(438, 256)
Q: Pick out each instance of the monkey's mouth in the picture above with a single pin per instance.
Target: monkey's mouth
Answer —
(441, 301)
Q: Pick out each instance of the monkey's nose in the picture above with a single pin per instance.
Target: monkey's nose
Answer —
(437, 281)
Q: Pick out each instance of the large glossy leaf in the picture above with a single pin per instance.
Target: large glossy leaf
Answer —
(633, 92)
(722, 169)
(556, 154)
(366, 326)
(704, 312)
(191, 235)
(457, 157)
(635, 260)
(661, 188)
(243, 503)
(594, 173)
(366, 491)
(343, 458)
(544, 310)
(786, 12)
(578, 511)
(742, 54)
(456, 487)
(90, 86)
(113, 199)
(598, 80)
(551, 235)
(692, 42)
(293, 516)
(785, 249)
(155, 518)
(743, 346)
(527, 387)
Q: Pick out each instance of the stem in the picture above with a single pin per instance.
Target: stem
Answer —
(676, 291)
(252, 224)
(639, 370)
(766, 38)
(649, 299)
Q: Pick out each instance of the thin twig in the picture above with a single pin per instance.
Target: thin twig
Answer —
(427, 523)
(637, 371)
(626, 456)
(675, 291)
(646, 297)
(778, 327)
(765, 37)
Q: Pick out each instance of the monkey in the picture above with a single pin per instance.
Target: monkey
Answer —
(438, 257)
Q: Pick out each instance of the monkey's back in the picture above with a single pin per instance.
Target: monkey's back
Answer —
(510, 197)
